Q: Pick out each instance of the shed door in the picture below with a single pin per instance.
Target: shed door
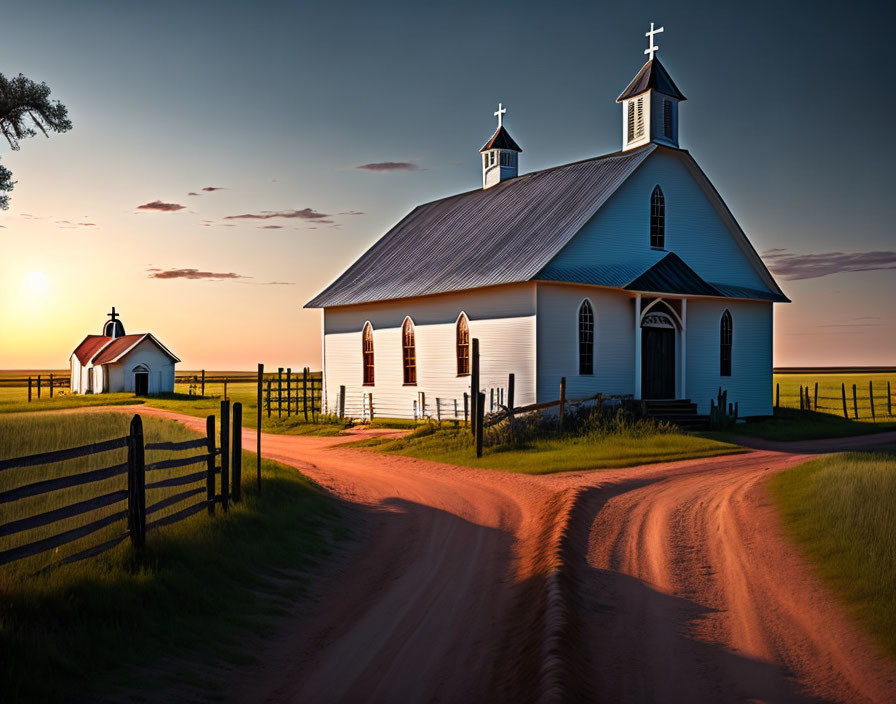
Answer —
(657, 363)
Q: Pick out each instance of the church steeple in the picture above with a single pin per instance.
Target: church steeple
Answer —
(650, 103)
(113, 326)
(500, 159)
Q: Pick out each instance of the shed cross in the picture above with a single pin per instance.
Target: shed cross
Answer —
(500, 114)
(652, 49)
(113, 314)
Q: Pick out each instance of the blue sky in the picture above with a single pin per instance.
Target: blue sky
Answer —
(277, 104)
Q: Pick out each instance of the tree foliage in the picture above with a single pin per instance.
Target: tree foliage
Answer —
(25, 109)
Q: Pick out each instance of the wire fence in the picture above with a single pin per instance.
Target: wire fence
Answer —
(873, 403)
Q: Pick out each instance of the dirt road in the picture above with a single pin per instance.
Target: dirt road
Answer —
(661, 583)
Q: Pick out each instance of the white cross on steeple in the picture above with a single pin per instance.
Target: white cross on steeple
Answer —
(652, 49)
(499, 114)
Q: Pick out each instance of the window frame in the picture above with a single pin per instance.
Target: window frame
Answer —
(657, 218)
(586, 307)
(368, 368)
(726, 344)
(462, 347)
(408, 353)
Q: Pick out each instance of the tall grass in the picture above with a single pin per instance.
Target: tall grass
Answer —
(199, 586)
(590, 440)
(841, 511)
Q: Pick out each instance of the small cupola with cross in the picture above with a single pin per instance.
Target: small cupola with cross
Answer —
(500, 154)
(113, 327)
(650, 103)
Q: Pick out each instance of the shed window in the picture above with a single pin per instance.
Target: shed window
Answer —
(725, 338)
(409, 352)
(367, 354)
(657, 218)
(586, 338)
(463, 346)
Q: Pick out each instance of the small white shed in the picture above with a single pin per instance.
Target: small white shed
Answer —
(115, 362)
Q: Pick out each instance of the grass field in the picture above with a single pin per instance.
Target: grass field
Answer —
(626, 448)
(830, 393)
(841, 511)
(204, 585)
(789, 424)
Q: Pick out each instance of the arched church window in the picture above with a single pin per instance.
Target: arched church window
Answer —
(409, 353)
(725, 338)
(463, 345)
(367, 354)
(586, 338)
(657, 218)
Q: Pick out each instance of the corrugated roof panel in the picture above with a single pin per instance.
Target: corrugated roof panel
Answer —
(672, 275)
(616, 275)
(505, 234)
(730, 291)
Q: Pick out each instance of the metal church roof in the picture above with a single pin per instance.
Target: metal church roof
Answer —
(653, 75)
(504, 234)
(672, 275)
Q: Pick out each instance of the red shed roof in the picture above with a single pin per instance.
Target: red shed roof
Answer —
(90, 346)
(118, 346)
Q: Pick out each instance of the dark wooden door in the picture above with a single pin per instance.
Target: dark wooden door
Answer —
(657, 363)
(141, 383)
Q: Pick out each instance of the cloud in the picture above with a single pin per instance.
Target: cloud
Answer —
(278, 283)
(87, 224)
(304, 214)
(193, 193)
(209, 189)
(352, 212)
(160, 206)
(270, 227)
(793, 266)
(193, 274)
(385, 166)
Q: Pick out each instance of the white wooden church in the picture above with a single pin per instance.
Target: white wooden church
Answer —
(625, 273)
(116, 362)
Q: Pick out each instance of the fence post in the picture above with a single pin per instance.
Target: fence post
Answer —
(269, 398)
(341, 402)
(415, 410)
(438, 410)
(871, 399)
(51, 386)
(889, 400)
(29, 389)
(778, 395)
(815, 400)
(480, 414)
(279, 392)
(321, 404)
(225, 453)
(203, 383)
(562, 401)
(258, 428)
(38, 385)
(305, 392)
(474, 384)
(422, 405)
(855, 402)
(210, 468)
(845, 412)
(237, 462)
(466, 408)
(511, 383)
(370, 404)
(802, 402)
(288, 392)
(225, 388)
(136, 484)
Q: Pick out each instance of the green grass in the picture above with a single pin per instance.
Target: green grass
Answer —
(549, 455)
(789, 424)
(840, 511)
(199, 590)
(830, 392)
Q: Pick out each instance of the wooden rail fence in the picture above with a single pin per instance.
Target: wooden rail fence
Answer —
(288, 393)
(873, 406)
(218, 463)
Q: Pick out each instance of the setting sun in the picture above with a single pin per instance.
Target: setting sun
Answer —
(36, 282)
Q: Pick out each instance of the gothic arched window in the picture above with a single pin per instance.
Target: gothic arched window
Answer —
(367, 354)
(586, 338)
(725, 337)
(409, 353)
(657, 218)
(463, 346)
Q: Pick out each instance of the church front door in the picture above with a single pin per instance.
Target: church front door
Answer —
(141, 383)
(657, 362)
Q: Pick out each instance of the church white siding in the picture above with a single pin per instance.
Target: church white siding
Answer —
(502, 318)
(750, 383)
(558, 341)
(147, 353)
(620, 231)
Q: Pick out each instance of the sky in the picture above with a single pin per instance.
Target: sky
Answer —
(228, 160)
